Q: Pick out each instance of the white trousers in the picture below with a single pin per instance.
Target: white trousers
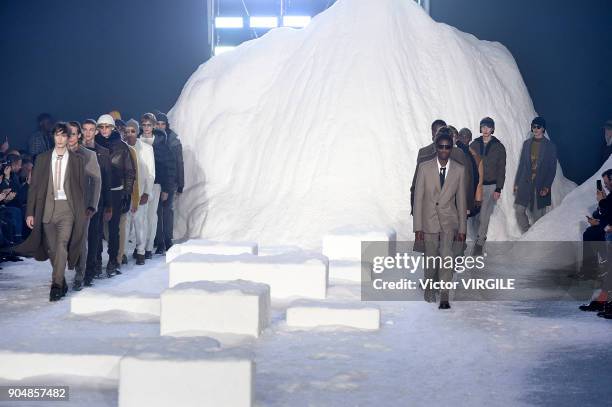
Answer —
(152, 217)
(137, 223)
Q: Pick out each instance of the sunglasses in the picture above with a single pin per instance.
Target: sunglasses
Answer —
(444, 146)
(536, 126)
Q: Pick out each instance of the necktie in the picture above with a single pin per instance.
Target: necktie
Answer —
(442, 176)
(58, 172)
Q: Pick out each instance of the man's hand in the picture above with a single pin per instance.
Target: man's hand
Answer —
(108, 214)
(544, 191)
(164, 196)
(460, 237)
(89, 212)
(608, 229)
(496, 195)
(593, 221)
(419, 235)
(7, 171)
(30, 222)
(10, 196)
(600, 195)
(144, 198)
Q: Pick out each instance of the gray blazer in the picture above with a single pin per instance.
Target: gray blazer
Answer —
(440, 209)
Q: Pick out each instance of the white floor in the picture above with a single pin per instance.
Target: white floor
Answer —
(478, 353)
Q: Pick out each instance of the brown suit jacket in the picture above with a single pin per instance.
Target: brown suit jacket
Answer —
(427, 153)
(440, 209)
(40, 206)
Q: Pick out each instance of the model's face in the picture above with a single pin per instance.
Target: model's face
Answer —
(465, 139)
(147, 128)
(16, 166)
(130, 135)
(161, 125)
(486, 130)
(60, 138)
(537, 130)
(73, 140)
(106, 130)
(444, 149)
(89, 132)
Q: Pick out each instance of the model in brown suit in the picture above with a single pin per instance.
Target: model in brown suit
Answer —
(440, 211)
(56, 210)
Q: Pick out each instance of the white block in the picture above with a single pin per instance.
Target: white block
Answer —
(93, 302)
(345, 244)
(23, 365)
(234, 307)
(186, 383)
(310, 315)
(345, 270)
(210, 247)
(288, 275)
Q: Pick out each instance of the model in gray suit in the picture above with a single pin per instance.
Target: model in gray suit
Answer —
(440, 211)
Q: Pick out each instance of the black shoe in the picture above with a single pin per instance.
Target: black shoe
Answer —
(140, 259)
(478, 250)
(88, 283)
(77, 286)
(593, 306)
(169, 245)
(444, 305)
(160, 250)
(111, 269)
(124, 259)
(64, 288)
(134, 254)
(148, 255)
(56, 293)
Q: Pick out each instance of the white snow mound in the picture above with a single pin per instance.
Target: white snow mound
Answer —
(568, 221)
(299, 132)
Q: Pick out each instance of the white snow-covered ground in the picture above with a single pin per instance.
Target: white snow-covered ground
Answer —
(478, 353)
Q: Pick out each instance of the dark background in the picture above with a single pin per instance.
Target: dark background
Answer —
(78, 58)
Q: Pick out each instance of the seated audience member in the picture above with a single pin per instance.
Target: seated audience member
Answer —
(594, 236)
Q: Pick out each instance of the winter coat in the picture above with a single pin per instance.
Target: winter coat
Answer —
(165, 162)
(104, 162)
(146, 167)
(36, 244)
(123, 172)
(493, 161)
(545, 173)
(177, 149)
